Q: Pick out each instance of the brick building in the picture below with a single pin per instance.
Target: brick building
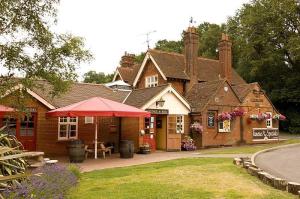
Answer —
(211, 87)
(180, 90)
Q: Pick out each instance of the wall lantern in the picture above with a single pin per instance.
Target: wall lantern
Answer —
(160, 102)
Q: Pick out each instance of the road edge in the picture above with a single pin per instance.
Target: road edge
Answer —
(270, 149)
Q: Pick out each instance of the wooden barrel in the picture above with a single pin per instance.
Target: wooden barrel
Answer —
(126, 149)
(76, 151)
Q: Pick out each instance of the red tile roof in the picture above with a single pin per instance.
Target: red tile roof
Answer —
(78, 92)
(172, 65)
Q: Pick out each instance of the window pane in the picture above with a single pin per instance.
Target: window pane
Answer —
(72, 119)
(63, 127)
(221, 125)
(73, 127)
(63, 134)
(72, 133)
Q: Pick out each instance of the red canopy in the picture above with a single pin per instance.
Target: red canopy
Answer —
(5, 110)
(98, 106)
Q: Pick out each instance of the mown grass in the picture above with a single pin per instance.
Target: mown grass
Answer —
(183, 178)
(247, 148)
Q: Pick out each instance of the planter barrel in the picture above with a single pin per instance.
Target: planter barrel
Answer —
(126, 149)
(76, 151)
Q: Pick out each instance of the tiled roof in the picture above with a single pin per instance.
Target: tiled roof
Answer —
(243, 89)
(200, 94)
(79, 92)
(172, 65)
(128, 73)
(140, 97)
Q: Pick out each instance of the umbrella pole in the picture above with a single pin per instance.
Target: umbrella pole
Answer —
(96, 135)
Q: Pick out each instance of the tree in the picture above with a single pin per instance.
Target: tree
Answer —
(29, 48)
(209, 37)
(98, 78)
(266, 36)
(169, 46)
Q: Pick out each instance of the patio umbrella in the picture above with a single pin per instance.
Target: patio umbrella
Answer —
(98, 106)
(5, 109)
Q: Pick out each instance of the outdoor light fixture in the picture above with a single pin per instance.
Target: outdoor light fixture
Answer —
(160, 102)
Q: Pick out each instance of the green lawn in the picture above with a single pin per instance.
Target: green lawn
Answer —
(182, 178)
(246, 149)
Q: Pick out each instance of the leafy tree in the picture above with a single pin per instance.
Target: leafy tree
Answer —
(30, 49)
(209, 37)
(99, 78)
(169, 46)
(266, 37)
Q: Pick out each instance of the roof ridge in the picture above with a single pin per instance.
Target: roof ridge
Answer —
(166, 52)
(180, 54)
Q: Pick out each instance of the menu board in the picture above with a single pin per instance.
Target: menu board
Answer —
(211, 119)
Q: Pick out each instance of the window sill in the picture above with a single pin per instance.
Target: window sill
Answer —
(67, 140)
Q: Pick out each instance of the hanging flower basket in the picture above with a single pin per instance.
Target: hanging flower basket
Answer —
(197, 127)
(237, 112)
(260, 116)
(279, 117)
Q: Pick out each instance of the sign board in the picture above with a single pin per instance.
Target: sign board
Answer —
(265, 134)
(211, 119)
(158, 111)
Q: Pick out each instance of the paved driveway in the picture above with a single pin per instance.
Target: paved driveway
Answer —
(283, 163)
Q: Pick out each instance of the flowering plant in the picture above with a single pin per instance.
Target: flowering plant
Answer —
(279, 117)
(231, 115)
(188, 144)
(224, 116)
(260, 116)
(50, 181)
(196, 126)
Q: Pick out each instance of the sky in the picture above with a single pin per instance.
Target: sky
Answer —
(112, 27)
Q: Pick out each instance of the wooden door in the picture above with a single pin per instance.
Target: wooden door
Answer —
(26, 131)
(173, 138)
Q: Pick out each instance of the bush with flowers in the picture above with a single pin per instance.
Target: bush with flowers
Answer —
(196, 127)
(188, 144)
(48, 182)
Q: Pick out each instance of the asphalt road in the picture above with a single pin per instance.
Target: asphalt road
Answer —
(283, 163)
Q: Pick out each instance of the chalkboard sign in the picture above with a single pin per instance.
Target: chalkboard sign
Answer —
(211, 119)
(265, 134)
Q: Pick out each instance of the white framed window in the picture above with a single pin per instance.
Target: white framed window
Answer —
(67, 128)
(224, 126)
(179, 124)
(88, 120)
(269, 121)
(151, 81)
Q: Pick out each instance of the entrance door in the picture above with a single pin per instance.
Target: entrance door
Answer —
(173, 138)
(161, 132)
(27, 131)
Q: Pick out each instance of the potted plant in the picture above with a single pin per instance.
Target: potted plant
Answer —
(145, 148)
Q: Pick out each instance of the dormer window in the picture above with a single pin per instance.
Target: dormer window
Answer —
(151, 81)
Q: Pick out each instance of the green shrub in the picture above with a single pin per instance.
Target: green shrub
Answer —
(74, 169)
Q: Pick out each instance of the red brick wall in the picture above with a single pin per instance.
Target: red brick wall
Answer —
(262, 105)
(223, 102)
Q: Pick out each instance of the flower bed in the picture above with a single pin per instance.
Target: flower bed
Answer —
(50, 181)
(188, 144)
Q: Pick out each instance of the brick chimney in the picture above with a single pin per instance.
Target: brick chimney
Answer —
(191, 45)
(127, 60)
(225, 58)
